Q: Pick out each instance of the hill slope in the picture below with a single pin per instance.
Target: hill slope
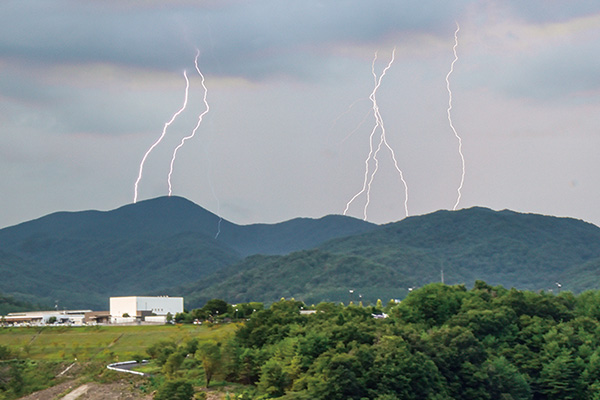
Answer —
(311, 276)
(82, 258)
(155, 246)
(526, 251)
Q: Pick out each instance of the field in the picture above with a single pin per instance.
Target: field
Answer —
(111, 343)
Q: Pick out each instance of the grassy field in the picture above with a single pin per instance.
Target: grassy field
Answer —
(111, 343)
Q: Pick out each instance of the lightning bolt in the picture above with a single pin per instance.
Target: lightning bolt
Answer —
(462, 157)
(191, 135)
(212, 188)
(373, 155)
(358, 126)
(346, 112)
(164, 131)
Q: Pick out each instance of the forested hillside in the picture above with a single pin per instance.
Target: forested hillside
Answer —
(82, 258)
(172, 246)
(513, 249)
(529, 251)
(310, 275)
(442, 342)
(9, 304)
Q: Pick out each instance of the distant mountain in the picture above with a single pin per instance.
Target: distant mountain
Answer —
(525, 251)
(82, 258)
(296, 234)
(170, 245)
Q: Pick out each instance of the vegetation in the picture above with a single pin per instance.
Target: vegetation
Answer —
(60, 343)
(83, 258)
(19, 377)
(442, 342)
(515, 250)
(525, 251)
(9, 304)
(32, 359)
(310, 275)
(175, 390)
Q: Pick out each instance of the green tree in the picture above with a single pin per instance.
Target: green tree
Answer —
(216, 307)
(5, 353)
(505, 380)
(405, 375)
(337, 377)
(161, 351)
(459, 357)
(432, 305)
(173, 363)
(561, 378)
(250, 363)
(273, 380)
(178, 389)
(209, 354)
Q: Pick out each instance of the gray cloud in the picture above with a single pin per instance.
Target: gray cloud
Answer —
(86, 86)
(540, 11)
(246, 38)
(556, 75)
(249, 39)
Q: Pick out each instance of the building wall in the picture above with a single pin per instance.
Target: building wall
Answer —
(123, 305)
(157, 305)
(158, 319)
(160, 305)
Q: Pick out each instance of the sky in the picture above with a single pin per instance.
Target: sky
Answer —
(86, 88)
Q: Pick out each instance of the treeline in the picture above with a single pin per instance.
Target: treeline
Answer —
(218, 310)
(441, 342)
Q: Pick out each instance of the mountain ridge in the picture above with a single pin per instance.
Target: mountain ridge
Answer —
(527, 251)
(144, 247)
(169, 245)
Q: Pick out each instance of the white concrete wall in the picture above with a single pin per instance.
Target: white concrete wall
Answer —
(132, 304)
(160, 305)
(123, 320)
(158, 319)
(123, 305)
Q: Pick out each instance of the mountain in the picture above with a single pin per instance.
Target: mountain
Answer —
(526, 251)
(295, 234)
(170, 245)
(82, 258)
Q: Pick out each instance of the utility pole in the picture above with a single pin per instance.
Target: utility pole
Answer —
(442, 272)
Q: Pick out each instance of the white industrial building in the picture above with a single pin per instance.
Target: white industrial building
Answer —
(74, 317)
(132, 308)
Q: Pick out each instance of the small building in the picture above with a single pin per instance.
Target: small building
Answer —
(139, 307)
(96, 317)
(74, 317)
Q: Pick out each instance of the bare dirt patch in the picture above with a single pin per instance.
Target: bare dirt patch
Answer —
(73, 390)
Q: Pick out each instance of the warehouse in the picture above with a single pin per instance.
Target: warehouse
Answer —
(137, 308)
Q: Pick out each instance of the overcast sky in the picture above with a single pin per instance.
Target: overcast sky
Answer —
(87, 86)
